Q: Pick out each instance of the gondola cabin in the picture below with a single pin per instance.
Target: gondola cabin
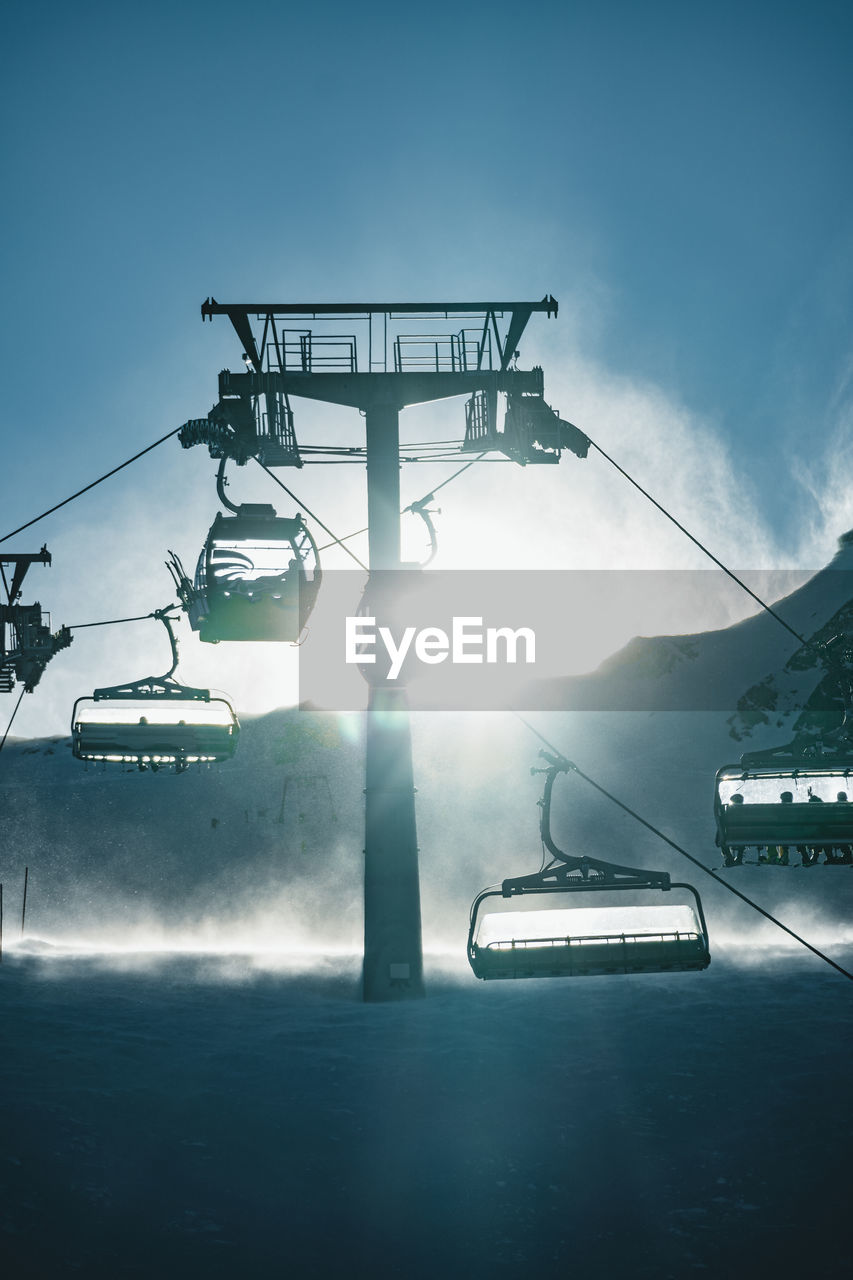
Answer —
(257, 577)
(578, 941)
(153, 731)
(769, 805)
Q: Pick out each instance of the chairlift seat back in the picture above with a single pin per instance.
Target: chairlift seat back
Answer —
(763, 818)
(577, 942)
(754, 824)
(145, 732)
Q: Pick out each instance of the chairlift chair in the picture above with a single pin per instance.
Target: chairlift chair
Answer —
(761, 817)
(257, 576)
(798, 793)
(583, 936)
(154, 722)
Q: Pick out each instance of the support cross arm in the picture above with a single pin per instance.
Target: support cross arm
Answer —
(311, 310)
(519, 316)
(22, 562)
(365, 390)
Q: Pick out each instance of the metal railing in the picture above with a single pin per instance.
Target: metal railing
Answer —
(301, 351)
(468, 351)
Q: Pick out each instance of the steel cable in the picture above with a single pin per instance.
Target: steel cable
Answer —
(325, 527)
(12, 717)
(100, 480)
(702, 546)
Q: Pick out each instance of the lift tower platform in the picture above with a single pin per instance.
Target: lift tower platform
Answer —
(382, 358)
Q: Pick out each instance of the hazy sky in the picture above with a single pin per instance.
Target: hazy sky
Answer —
(677, 175)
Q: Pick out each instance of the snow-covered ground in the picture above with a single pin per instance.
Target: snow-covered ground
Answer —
(191, 1085)
(210, 1116)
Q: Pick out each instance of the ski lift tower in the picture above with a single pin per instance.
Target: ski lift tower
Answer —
(379, 359)
(26, 641)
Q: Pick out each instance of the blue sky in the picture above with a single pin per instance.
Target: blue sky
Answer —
(677, 175)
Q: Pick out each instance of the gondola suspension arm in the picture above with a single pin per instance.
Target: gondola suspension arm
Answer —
(221, 482)
(595, 869)
(421, 508)
(163, 615)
